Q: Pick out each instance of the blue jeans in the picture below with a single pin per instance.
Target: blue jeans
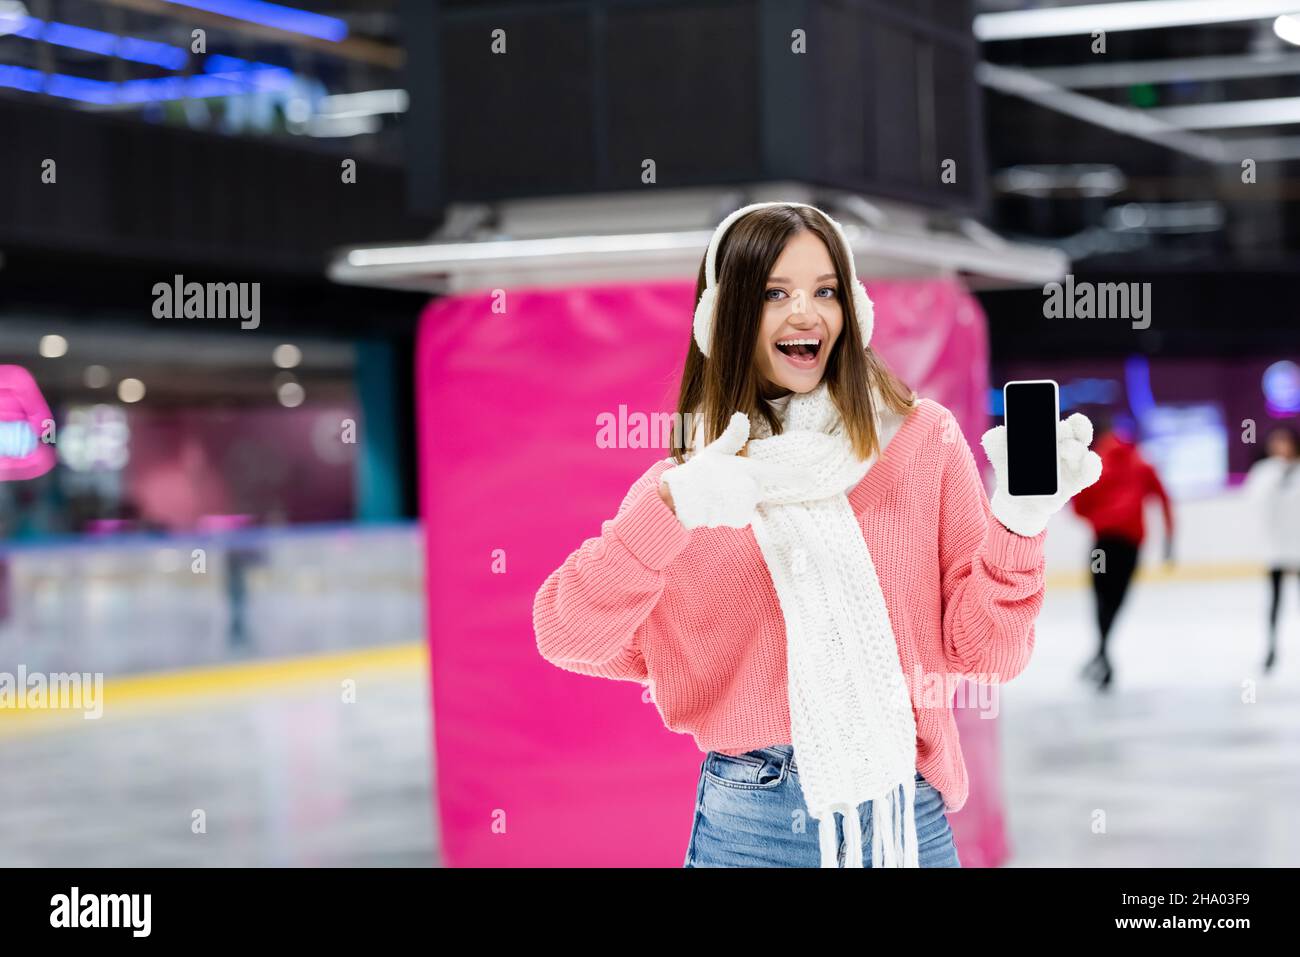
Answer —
(747, 807)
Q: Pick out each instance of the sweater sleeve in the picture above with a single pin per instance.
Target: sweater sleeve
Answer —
(588, 613)
(992, 579)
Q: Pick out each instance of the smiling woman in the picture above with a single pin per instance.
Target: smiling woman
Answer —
(820, 532)
(788, 265)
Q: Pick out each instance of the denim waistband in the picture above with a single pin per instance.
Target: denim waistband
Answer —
(784, 752)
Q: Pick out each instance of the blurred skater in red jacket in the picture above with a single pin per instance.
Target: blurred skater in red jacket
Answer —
(1113, 507)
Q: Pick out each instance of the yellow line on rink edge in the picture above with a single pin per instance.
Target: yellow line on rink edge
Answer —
(174, 690)
(184, 687)
(1155, 574)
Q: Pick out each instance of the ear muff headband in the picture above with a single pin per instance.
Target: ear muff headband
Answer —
(703, 323)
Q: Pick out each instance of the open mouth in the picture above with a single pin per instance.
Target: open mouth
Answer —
(800, 352)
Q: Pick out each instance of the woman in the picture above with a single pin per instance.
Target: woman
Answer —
(791, 583)
(1274, 483)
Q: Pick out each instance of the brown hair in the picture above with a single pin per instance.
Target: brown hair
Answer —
(727, 381)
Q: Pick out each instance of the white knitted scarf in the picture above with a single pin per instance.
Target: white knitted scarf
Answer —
(850, 712)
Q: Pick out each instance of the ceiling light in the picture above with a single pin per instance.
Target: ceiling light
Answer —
(366, 103)
(329, 125)
(130, 390)
(1288, 29)
(286, 355)
(1099, 76)
(1082, 179)
(1093, 18)
(1274, 111)
(52, 346)
(290, 394)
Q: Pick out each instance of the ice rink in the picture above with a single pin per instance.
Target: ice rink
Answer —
(1184, 769)
(285, 776)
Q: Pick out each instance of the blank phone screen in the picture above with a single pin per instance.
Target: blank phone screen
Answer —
(1031, 417)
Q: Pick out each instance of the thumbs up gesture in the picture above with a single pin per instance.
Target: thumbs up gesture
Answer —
(715, 486)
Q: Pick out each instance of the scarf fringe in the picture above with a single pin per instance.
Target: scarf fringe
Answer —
(896, 810)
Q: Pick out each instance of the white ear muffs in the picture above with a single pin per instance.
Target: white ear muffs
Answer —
(702, 327)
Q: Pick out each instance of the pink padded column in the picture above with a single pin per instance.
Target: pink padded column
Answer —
(535, 765)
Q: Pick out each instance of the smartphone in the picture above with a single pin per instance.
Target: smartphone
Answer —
(1031, 409)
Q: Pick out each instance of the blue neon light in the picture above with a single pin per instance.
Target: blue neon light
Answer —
(107, 44)
(144, 91)
(22, 78)
(274, 15)
(127, 48)
(220, 63)
(1088, 392)
(1073, 394)
(150, 51)
(66, 35)
(1137, 379)
(1281, 385)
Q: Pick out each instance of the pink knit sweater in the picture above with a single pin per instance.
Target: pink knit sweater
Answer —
(693, 612)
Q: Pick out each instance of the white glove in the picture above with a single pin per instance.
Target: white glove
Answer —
(715, 486)
(1078, 468)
